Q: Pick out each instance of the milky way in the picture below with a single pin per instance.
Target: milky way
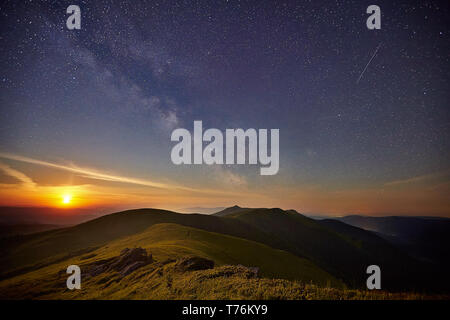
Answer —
(109, 95)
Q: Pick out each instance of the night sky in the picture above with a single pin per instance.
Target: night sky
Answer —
(90, 111)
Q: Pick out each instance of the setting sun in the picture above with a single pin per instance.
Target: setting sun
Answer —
(67, 198)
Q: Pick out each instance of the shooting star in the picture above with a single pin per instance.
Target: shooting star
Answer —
(362, 73)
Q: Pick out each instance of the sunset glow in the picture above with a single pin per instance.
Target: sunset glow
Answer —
(66, 199)
(361, 115)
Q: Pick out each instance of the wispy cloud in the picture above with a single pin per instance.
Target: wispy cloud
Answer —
(24, 179)
(418, 179)
(96, 175)
(85, 172)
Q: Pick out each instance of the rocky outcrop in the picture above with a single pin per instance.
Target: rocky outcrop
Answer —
(128, 261)
(193, 263)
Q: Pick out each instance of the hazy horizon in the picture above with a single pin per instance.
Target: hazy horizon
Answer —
(16, 215)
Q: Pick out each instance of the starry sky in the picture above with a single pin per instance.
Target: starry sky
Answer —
(89, 112)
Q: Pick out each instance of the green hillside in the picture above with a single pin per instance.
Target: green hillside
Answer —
(172, 241)
(168, 242)
(340, 250)
(22, 253)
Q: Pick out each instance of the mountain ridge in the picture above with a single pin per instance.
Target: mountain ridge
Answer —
(337, 248)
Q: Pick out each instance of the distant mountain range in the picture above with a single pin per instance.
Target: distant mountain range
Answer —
(425, 238)
(279, 243)
(205, 210)
(45, 215)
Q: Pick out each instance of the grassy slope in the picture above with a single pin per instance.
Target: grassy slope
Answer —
(344, 251)
(22, 253)
(334, 250)
(163, 282)
(172, 241)
(164, 241)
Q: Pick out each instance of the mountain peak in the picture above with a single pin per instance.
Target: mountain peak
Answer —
(228, 211)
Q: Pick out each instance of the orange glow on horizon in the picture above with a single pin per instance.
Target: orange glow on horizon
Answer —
(66, 199)
(413, 196)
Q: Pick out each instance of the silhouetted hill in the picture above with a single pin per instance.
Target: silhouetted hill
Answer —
(167, 242)
(230, 210)
(426, 238)
(7, 230)
(337, 248)
(342, 250)
(19, 252)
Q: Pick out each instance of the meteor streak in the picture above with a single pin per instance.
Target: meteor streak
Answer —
(362, 73)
